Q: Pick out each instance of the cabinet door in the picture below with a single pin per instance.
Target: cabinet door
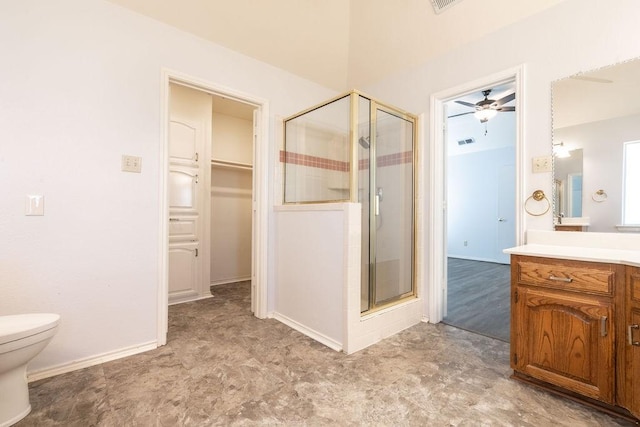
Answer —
(565, 339)
(632, 343)
(183, 271)
(190, 115)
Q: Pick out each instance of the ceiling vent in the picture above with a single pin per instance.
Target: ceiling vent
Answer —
(441, 5)
(466, 141)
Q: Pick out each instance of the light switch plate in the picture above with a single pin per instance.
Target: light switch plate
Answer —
(34, 205)
(542, 164)
(131, 164)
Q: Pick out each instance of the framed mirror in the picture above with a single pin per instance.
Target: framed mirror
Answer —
(596, 130)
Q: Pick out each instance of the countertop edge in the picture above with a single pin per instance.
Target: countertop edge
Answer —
(614, 256)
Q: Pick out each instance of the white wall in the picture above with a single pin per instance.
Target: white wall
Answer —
(387, 36)
(232, 139)
(473, 185)
(473, 204)
(311, 253)
(575, 35)
(319, 254)
(231, 224)
(231, 200)
(83, 88)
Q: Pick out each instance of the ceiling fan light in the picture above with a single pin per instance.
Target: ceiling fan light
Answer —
(485, 114)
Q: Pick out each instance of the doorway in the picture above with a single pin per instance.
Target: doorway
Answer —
(217, 162)
(210, 192)
(474, 198)
(480, 165)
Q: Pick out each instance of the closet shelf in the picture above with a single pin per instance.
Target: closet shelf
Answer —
(232, 165)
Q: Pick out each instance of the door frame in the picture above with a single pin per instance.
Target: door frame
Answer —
(437, 283)
(259, 262)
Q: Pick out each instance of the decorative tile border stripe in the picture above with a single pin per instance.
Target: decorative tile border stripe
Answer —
(337, 165)
(313, 161)
(395, 159)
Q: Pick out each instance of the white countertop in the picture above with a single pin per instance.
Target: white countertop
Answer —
(614, 256)
(595, 247)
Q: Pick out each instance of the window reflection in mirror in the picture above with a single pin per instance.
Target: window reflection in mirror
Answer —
(595, 114)
(631, 194)
(568, 180)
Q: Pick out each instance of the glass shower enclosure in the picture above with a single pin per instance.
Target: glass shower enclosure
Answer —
(355, 149)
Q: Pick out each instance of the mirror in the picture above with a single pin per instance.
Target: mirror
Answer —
(593, 115)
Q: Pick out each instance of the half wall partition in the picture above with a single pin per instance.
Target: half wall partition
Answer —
(356, 149)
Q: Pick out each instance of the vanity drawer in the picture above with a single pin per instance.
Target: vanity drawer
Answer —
(587, 277)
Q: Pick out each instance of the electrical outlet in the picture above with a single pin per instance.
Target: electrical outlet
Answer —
(542, 164)
(466, 243)
(131, 164)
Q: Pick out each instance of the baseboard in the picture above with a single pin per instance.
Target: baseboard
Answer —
(90, 361)
(321, 338)
(471, 258)
(190, 299)
(227, 281)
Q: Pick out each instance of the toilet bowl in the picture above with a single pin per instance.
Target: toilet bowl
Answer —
(22, 337)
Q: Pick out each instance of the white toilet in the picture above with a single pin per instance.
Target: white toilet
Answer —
(22, 337)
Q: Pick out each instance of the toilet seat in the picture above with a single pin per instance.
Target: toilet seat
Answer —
(20, 326)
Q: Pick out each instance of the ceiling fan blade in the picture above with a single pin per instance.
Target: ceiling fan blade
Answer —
(506, 99)
(506, 109)
(467, 104)
(461, 114)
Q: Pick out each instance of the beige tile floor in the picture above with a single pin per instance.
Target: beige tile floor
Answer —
(222, 366)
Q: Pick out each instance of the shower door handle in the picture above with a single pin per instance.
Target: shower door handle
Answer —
(377, 205)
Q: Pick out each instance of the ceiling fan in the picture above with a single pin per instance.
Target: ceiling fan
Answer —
(487, 108)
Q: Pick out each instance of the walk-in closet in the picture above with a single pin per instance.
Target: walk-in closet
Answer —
(210, 192)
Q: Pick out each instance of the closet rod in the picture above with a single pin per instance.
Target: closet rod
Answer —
(234, 165)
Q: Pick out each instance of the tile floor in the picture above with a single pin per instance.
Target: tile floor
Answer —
(222, 366)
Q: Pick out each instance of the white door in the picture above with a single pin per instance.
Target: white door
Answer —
(254, 216)
(189, 135)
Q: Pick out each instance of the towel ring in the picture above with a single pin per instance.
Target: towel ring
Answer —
(599, 196)
(537, 196)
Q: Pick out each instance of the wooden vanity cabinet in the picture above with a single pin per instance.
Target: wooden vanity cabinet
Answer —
(629, 349)
(563, 323)
(570, 330)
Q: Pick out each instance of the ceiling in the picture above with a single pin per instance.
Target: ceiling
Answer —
(340, 44)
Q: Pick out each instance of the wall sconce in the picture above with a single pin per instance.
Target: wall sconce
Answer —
(561, 151)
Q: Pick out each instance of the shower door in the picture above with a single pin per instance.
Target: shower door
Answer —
(386, 191)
